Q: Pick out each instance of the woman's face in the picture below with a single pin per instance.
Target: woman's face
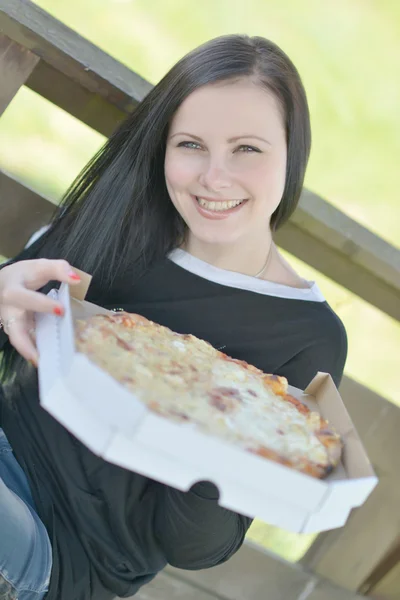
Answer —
(225, 161)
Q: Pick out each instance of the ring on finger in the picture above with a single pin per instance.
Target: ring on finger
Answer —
(8, 323)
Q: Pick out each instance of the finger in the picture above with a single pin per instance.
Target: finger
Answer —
(43, 270)
(40, 271)
(19, 338)
(31, 325)
(16, 296)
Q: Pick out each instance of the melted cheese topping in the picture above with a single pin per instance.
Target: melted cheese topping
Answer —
(186, 379)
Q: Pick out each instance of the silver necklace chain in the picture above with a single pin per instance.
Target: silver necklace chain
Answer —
(267, 261)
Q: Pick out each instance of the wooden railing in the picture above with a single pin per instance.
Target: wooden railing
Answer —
(361, 558)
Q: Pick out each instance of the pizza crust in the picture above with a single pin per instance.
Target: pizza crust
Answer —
(185, 379)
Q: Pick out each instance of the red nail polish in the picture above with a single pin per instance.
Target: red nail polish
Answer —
(58, 311)
(74, 276)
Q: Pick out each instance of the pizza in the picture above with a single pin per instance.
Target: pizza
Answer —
(184, 378)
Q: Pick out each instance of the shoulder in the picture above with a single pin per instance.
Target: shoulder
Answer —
(323, 347)
(332, 328)
(327, 332)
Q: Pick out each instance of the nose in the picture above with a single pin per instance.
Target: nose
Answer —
(215, 177)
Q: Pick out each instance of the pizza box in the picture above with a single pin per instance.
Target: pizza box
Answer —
(115, 425)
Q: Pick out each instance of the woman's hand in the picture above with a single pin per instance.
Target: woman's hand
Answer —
(19, 299)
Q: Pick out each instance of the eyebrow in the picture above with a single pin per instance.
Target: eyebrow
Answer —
(231, 140)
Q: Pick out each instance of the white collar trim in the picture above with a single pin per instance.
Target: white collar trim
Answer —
(244, 282)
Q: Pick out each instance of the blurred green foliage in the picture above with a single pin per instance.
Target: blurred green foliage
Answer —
(348, 56)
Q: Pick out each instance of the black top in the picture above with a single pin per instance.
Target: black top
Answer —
(112, 530)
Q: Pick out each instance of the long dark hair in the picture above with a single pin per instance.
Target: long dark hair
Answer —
(117, 216)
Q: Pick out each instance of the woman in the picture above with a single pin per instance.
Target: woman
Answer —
(174, 217)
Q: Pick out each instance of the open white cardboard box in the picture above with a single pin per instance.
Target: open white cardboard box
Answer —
(110, 421)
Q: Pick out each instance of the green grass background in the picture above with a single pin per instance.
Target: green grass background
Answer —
(347, 53)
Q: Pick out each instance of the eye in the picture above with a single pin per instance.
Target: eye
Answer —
(189, 145)
(248, 149)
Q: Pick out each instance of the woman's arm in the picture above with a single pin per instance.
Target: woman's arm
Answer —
(193, 531)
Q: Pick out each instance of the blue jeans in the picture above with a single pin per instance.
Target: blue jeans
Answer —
(25, 550)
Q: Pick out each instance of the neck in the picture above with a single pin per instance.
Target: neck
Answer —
(246, 257)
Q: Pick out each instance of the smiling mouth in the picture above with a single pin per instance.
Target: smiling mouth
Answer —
(219, 205)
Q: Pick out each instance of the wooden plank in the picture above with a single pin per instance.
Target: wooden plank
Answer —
(16, 64)
(386, 575)
(169, 585)
(255, 574)
(349, 555)
(326, 591)
(388, 588)
(370, 413)
(165, 587)
(333, 243)
(22, 212)
(69, 53)
(91, 108)
(252, 573)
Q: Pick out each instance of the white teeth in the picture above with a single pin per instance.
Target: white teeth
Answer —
(218, 206)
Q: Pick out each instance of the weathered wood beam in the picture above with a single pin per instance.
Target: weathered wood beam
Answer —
(388, 588)
(172, 584)
(91, 108)
(166, 587)
(349, 555)
(256, 574)
(249, 574)
(385, 578)
(83, 63)
(16, 64)
(22, 212)
(350, 254)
